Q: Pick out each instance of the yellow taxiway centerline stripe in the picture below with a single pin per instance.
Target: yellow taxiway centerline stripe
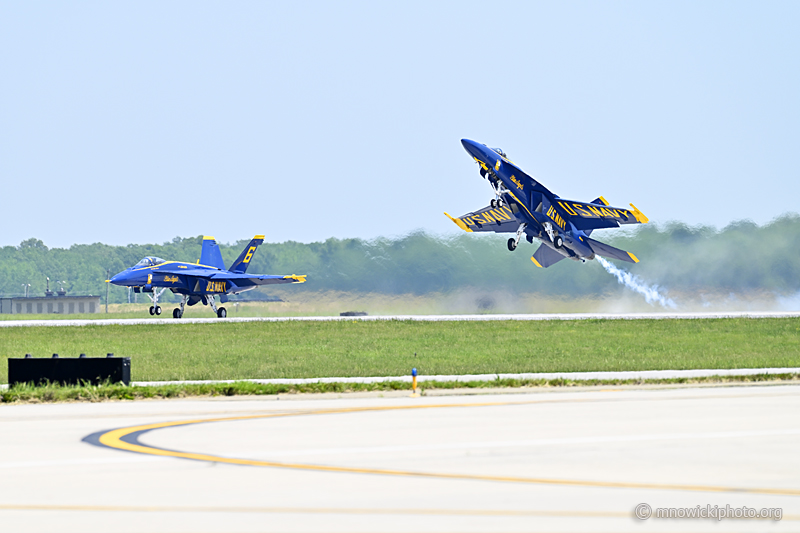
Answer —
(113, 439)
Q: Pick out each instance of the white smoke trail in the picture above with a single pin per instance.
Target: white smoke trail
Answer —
(650, 293)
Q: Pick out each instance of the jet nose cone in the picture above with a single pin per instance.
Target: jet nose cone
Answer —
(467, 144)
(117, 279)
(471, 147)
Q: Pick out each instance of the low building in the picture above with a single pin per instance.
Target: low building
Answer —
(40, 305)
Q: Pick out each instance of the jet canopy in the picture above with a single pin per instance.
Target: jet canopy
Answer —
(149, 261)
(499, 151)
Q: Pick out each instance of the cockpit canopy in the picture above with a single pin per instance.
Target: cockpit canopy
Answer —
(500, 151)
(149, 261)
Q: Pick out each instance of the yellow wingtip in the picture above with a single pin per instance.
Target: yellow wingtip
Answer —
(297, 278)
(605, 202)
(639, 215)
(535, 262)
(208, 238)
(635, 259)
(458, 223)
(259, 237)
(108, 281)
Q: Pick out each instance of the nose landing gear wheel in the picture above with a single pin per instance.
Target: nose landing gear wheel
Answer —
(512, 244)
(158, 310)
(221, 312)
(493, 204)
(176, 313)
(152, 310)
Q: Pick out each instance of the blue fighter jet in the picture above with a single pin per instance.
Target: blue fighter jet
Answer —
(199, 282)
(524, 206)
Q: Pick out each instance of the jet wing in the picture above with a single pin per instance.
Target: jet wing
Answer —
(498, 220)
(546, 256)
(605, 250)
(256, 279)
(598, 214)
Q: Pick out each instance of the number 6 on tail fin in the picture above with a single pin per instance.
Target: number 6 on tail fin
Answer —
(243, 261)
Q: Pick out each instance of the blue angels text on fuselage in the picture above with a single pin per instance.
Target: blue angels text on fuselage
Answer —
(524, 206)
(199, 282)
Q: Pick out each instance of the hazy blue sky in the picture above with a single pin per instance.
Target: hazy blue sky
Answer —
(137, 122)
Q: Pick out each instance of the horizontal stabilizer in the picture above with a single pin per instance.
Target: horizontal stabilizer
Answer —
(605, 250)
(546, 256)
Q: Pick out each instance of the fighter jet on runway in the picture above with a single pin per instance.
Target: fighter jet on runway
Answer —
(199, 282)
(524, 206)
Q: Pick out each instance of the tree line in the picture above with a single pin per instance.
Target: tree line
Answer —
(738, 258)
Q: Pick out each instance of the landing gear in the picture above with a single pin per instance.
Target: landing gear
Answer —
(493, 204)
(514, 241)
(555, 238)
(155, 309)
(178, 313)
(221, 312)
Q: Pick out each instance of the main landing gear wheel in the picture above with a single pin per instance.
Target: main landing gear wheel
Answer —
(221, 312)
(152, 310)
(558, 242)
(176, 313)
(512, 244)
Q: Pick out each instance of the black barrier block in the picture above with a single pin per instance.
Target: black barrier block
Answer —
(94, 370)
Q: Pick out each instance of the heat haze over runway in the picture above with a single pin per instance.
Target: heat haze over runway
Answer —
(549, 460)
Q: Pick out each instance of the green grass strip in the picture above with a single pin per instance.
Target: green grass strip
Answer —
(227, 350)
(107, 392)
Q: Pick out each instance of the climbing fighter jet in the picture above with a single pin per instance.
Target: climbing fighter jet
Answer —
(199, 282)
(524, 206)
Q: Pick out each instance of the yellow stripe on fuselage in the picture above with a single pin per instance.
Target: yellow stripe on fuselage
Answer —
(179, 263)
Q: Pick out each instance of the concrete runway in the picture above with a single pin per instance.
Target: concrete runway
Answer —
(565, 460)
(421, 318)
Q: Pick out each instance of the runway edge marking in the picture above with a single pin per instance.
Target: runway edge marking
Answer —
(415, 318)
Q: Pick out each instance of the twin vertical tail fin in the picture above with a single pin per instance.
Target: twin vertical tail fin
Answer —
(210, 255)
(243, 261)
